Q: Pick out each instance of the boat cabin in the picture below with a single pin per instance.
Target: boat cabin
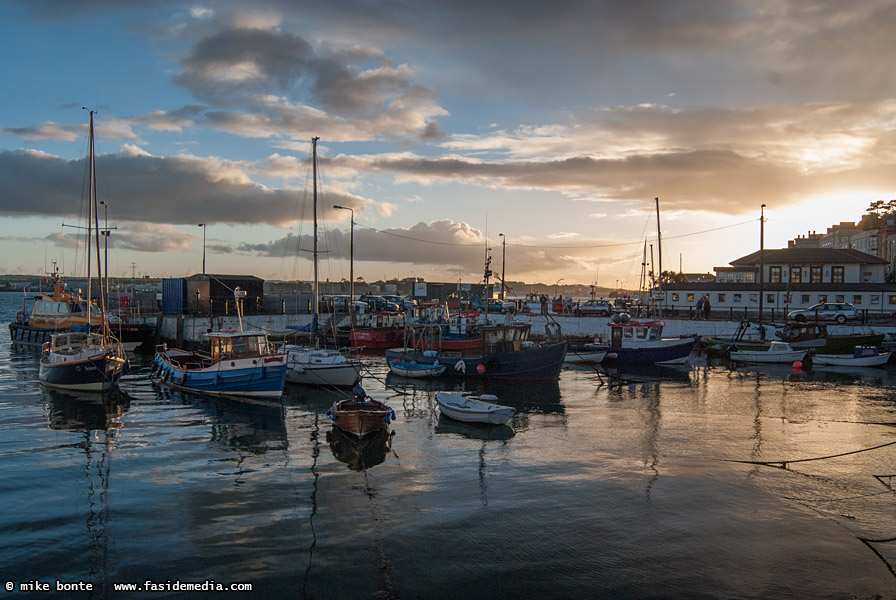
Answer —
(635, 330)
(239, 345)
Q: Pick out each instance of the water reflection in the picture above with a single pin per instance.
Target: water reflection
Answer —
(360, 453)
(474, 431)
(75, 411)
(248, 425)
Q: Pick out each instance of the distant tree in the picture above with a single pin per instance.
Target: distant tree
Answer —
(673, 277)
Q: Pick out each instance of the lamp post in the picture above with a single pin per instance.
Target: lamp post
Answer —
(105, 233)
(503, 262)
(761, 266)
(351, 263)
(203, 247)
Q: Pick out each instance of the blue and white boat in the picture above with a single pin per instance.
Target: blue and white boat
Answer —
(86, 362)
(638, 343)
(415, 369)
(238, 364)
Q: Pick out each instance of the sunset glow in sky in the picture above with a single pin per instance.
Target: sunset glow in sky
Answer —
(442, 125)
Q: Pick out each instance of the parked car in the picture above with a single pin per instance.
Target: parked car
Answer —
(378, 303)
(826, 311)
(602, 308)
(402, 302)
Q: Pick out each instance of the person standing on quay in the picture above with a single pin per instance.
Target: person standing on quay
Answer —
(706, 307)
(697, 313)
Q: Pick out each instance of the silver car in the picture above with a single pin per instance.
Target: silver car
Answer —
(826, 311)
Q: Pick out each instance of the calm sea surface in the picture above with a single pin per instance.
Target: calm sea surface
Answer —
(649, 489)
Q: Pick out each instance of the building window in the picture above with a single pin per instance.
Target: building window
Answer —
(815, 275)
(840, 298)
(740, 277)
(754, 298)
(691, 297)
(769, 298)
(738, 298)
(722, 298)
(675, 297)
(795, 274)
(836, 274)
(774, 274)
(875, 300)
(892, 299)
(822, 298)
(805, 299)
(751, 277)
(857, 300)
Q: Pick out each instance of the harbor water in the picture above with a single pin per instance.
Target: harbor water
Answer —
(675, 482)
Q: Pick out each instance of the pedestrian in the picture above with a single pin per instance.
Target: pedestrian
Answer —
(706, 307)
(544, 304)
(699, 311)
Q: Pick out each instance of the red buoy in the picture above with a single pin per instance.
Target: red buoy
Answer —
(480, 368)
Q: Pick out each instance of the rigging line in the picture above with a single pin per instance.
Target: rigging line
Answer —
(476, 245)
(784, 463)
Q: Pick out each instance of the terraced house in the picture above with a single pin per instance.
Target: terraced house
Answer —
(795, 277)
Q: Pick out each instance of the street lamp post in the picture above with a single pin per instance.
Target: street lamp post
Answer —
(203, 247)
(503, 262)
(351, 263)
(761, 266)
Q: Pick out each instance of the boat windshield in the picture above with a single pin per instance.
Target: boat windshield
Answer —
(239, 346)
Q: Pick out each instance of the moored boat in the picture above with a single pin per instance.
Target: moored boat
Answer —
(87, 362)
(862, 356)
(379, 331)
(639, 342)
(474, 409)
(360, 414)
(238, 364)
(777, 352)
(415, 370)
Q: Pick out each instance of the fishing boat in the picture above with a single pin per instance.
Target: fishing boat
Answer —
(379, 331)
(503, 352)
(862, 356)
(360, 414)
(474, 409)
(83, 360)
(238, 363)
(639, 342)
(777, 352)
(311, 364)
(414, 369)
(60, 312)
(809, 336)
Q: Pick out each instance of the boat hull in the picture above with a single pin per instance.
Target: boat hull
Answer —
(767, 357)
(670, 352)
(94, 374)
(132, 336)
(252, 377)
(850, 360)
(360, 418)
(544, 362)
(375, 338)
(322, 367)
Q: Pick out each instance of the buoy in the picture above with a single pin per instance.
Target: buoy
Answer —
(480, 368)
(798, 364)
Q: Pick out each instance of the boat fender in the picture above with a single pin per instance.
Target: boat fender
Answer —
(127, 366)
(331, 415)
(480, 368)
(460, 366)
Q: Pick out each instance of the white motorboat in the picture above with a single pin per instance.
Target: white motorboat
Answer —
(474, 409)
(863, 356)
(777, 352)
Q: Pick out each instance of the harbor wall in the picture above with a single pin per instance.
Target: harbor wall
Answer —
(191, 329)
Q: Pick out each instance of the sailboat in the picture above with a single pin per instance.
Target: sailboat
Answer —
(85, 360)
(313, 365)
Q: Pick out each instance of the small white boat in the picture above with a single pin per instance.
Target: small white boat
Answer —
(864, 356)
(474, 409)
(586, 354)
(414, 369)
(777, 352)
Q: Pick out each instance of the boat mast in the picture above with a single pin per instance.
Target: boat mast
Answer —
(94, 208)
(316, 295)
(659, 249)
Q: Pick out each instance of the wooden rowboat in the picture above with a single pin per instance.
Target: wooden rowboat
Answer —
(360, 414)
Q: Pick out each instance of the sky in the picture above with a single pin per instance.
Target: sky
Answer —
(539, 133)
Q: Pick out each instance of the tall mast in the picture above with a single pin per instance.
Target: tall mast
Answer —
(659, 250)
(314, 195)
(94, 208)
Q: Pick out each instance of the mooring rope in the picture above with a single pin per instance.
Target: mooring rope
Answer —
(782, 464)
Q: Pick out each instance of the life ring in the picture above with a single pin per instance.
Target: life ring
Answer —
(21, 316)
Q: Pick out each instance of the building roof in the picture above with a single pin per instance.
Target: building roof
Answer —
(794, 256)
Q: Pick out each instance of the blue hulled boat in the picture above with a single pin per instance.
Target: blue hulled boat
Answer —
(238, 364)
(639, 343)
